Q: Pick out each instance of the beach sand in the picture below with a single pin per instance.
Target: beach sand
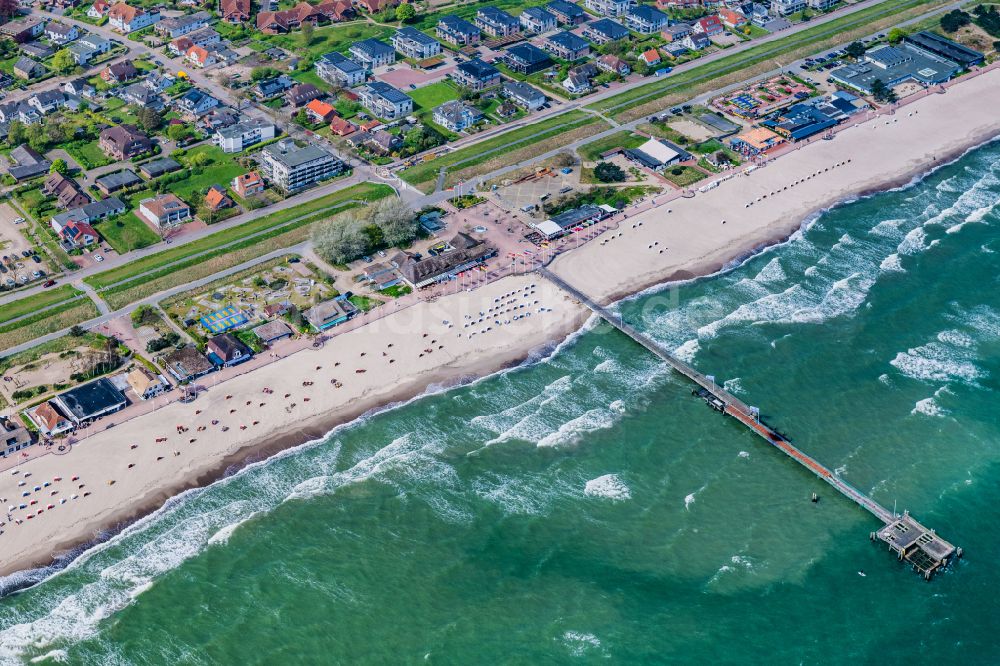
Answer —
(690, 240)
(397, 366)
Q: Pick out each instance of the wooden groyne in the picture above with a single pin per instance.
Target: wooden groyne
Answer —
(911, 541)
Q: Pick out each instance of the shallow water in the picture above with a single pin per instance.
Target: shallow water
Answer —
(586, 508)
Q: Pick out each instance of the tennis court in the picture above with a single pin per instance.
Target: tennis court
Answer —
(223, 320)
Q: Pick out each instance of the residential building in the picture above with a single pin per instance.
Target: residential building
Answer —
(88, 213)
(578, 79)
(278, 22)
(247, 132)
(339, 70)
(732, 18)
(49, 419)
(567, 13)
(384, 101)
(48, 101)
(496, 22)
(144, 383)
(79, 88)
(893, 65)
(301, 94)
(613, 64)
(99, 9)
(13, 437)
(164, 210)
(204, 37)
(605, 30)
(89, 402)
(66, 191)
(375, 6)
(786, 7)
(319, 111)
(36, 50)
(607, 7)
(372, 53)
(140, 95)
(457, 116)
(523, 95)
(537, 20)
(114, 182)
(227, 350)
(526, 58)
(567, 46)
(125, 18)
(476, 75)
(177, 26)
(157, 168)
(20, 111)
(273, 87)
(675, 32)
(75, 235)
(119, 72)
(199, 56)
(100, 45)
(234, 11)
(186, 363)
(195, 103)
(650, 57)
(28, 69)
(710, 26)
(414, 44)
(822, 5)
(216, 199)
(457, 31)
(291, 167)
(645, 19)
(341, 127)
(379, 142)
(248, 184)
(23, 30)
(28, 163)
(123, 142)
(696, 41)
(60, 33)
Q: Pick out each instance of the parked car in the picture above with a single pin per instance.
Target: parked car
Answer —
(35, 258)
(48, 283)
(98, 257)
(18, 220)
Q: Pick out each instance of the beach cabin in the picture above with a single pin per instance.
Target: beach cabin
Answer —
(227, 350)
(330, 313)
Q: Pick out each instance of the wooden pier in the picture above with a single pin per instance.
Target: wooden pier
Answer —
(911, 541)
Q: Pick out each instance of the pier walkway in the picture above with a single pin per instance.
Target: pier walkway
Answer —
(910, 540)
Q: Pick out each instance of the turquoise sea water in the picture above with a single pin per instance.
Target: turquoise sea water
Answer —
(585, 508)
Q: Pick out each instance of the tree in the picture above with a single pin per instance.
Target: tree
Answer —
(405, 12)
(149, 119)
(77, 331)
(340, 239)
(179, 132)
(262, 73)
(855, 50)
(17, 133)
(955, 19)
(302, 118)
(59, 166)
(606, 172)
(9, 9)
(63, 61)
(896, 35)
(883, 93)
(307, 33)
(395, 219)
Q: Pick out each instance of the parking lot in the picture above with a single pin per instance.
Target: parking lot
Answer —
(15, 268)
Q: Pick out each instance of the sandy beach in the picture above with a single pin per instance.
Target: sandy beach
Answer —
(120, 474)
(691, 239)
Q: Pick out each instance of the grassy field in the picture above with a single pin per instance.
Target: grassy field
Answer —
(426, 99)
(662, 93)
(220, 171)
(592, 151)
(50, 321)
(89, 155)
(34, 303)
(126, 233)
(526, 135)
(687, 175)
(325, 39)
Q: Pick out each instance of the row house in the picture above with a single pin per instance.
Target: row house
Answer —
(523, 95)
(274, 23)
(457, 31)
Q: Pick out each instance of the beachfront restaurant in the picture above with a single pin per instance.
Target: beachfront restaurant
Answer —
(227, 350)
(657, 154)
(575, 218)
(330, 313)
(461, 253)
(187, 363)
(89, 402)
(13, 437)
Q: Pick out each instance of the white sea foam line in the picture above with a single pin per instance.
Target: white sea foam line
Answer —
(608, 486)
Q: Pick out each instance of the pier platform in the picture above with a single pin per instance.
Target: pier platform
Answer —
(911, 541)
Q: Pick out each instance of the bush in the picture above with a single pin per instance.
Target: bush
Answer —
(161, 343)
(606, 172)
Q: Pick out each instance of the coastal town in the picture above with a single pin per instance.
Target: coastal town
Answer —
(229, 218)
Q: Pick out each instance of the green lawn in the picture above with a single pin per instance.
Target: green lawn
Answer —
(368, 191)
(593, 150)
(126, 232)
(34, 303)
(485, 150)
(89, 155)
(811, 40)
(338, 37)
(426, 99)
(687, 175)
(220, 171)
(310, 76)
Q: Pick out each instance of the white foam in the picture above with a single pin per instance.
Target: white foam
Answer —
(956, 338)
(913, 242)
(608, 486)
(580, 643)
(687, 351)
(733, 385)
(688, 501)
(772, 272)
(936, 362)
(891, 264)
(571, 431)
(744, 454)
(928, 407)
(54, 656)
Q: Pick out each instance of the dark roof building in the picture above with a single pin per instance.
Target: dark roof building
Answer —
(119, 180)
(605, 30)
(457, 31)
(567, 46)
(227, 350)
(90, 401)
(476, 75)
(526, 58)
(936, 45)
(467, 252)
(567, 13)
(800, 121)
(156, 168)
(28, 163)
